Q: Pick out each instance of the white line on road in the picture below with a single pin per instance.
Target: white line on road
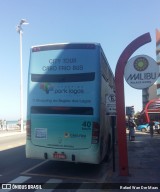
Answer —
(20, 179)
(55, 182)
(28, 170)
(7, 186)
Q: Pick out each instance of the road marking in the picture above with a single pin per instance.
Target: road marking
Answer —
(55, 183)
(88, 190)
(19, 179)
(83, 179)
(28, 170)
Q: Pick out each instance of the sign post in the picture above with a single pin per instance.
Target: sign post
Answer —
(111, 104)
(120, 103)
(111, 111)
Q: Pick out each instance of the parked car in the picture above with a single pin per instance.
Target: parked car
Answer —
(146, 127)
(157, 127)
(143, 128)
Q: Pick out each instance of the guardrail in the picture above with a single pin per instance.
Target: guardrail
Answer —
(12, 126)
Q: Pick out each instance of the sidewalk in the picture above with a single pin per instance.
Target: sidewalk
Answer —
(143, 162)
(9, 132)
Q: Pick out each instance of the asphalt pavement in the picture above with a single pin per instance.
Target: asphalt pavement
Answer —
(143, 162)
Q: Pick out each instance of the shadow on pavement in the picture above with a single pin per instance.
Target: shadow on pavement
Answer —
(143, 160)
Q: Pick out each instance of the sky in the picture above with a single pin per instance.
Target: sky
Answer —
(112, 23)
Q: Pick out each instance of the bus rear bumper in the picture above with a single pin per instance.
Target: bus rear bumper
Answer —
(90, 155)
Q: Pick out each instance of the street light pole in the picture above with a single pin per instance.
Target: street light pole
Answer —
(20, 31)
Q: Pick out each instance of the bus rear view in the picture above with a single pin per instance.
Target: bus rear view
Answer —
(63, 110)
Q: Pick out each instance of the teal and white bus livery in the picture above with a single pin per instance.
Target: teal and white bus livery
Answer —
(66, 109)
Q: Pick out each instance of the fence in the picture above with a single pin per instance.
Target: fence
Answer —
(9, 125)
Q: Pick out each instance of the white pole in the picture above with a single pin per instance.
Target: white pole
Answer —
(20, 31)
(21, 81)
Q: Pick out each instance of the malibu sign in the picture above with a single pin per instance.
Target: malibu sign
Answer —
(141, 72)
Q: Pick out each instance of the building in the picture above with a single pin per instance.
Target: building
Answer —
(151, 95)
(153, 92)
(158, 59)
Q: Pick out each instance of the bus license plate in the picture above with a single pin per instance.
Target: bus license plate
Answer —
(59, 156)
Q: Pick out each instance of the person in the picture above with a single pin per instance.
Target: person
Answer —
(131, 126)
(1, 124)
(151, 124)
(19, 123)
(4, 125)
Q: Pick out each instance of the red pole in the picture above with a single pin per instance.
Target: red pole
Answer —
(146, 109)
(120, 103)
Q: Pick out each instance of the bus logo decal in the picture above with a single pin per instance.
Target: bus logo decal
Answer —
(45, 87)
(74, 135)
(66, 135)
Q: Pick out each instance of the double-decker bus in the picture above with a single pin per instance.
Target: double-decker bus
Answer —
(67, 118)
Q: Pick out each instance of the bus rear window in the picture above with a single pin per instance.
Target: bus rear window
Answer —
(80, 77)
(62, 110)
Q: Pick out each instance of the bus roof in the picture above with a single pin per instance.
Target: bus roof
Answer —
(56, 46)
(67, 43)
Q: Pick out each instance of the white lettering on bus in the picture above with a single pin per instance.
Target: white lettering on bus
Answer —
(69, 60)
(49, 68)
(64, 67)
(54, 61)
(77, 67)
(65, 60)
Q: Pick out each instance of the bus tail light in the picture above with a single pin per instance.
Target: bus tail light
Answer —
(28, 128)
(95, 133)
